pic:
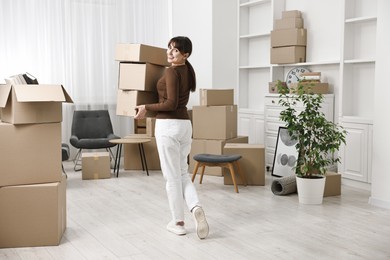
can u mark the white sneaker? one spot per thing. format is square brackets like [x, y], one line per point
[202, 228]
[176, 229]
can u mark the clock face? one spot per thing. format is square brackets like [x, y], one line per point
[294, 75]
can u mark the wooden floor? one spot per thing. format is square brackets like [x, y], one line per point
[125, 218]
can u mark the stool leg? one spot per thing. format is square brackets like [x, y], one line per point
[233, 174]
[195, 171]
[202, 173]
[242, 175]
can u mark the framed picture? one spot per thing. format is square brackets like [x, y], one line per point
[286, 154]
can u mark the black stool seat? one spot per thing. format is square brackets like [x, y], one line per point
[216, 158]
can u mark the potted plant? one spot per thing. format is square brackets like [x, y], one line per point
[317, 138]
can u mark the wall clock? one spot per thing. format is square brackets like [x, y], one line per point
[294, 75]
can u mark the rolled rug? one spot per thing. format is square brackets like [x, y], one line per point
[285, 185]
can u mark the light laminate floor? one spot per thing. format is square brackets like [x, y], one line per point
[125, 218]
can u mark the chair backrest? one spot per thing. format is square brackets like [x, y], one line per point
[91, 124]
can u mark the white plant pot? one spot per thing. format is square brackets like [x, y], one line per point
[310, 191]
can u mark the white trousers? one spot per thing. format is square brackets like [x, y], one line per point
[173, 138]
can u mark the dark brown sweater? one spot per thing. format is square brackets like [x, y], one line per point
[173, 92]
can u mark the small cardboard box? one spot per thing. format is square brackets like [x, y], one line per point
[139, 76]
[252, 163]
[32, 215]
[311, 87]
[332, 184]
[128, 99]
[213, 147]
[30, 153]
[288, 37]
[288, 23]
[132, 159]
[150, 126]
[133, 52]
[96, 165]
[285, 55]
[292, 14]
[214, 122]
[29, 104]
[216, 97]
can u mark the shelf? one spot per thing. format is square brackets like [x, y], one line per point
[255, 35]
[253, 3]
[255, 67]
[360, 19]
[330, 62]
[355, 61]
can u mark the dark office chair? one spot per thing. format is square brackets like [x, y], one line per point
[91, 129]
[65, 152]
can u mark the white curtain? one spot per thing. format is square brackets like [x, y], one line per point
[72, 43]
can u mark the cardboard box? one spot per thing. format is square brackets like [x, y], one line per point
[128, 99]
[30, 153]
[285, 55]
[28, 104]
[96, 165]
[213, 147]
[332, 184]
[216, 97]
[132, 159]
[32, 215]
[292, 14]
[150, 126]
[288, 37]
[311, 87]
[214, 122]
[252, 163]
[273, 88]
[288, 23]
[141, 53]
[139, 76]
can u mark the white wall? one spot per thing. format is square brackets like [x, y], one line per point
[380, 182]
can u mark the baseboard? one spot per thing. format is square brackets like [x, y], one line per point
[356, 184]
[379, 203]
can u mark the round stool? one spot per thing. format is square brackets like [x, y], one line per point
[216, 160]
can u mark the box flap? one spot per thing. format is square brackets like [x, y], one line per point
[4, 93]
[39, 93]
[67, 97]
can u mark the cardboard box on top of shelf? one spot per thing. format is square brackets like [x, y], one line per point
[213, 147]
[133, 52]
[128, 99]
[29, 104]
[30, 153]
[132, 159]
[311, 87]
[96, 165]
[214, 122]
[288, 37]
[216, 97]
[286, 55]
[288, 23]
[292, 14]
[332, 184]
[32, 215]
[139, 76]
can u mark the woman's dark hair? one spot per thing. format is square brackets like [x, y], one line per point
[184, 45]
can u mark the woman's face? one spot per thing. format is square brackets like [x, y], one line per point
[174, 56]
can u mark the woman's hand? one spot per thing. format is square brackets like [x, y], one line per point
[141, 112]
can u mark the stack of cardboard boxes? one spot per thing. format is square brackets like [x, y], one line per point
[288, 39]
[32, 186]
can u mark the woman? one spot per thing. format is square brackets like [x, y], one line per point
[173, 131]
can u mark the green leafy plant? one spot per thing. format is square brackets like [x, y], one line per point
[318, 138]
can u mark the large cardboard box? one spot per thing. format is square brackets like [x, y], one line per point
[32, 215]
[128, 99]
[288, 23]
[30, 153]
[96, 165]
[285, 55]
[311, 87]
[214, 122]
[212, 147]
[216, 97]
[139, 76]
[332, 184]
[252, 163]
[28, 104]
[291, 14]
[132, 159]
[141, 53]
[288, 37]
